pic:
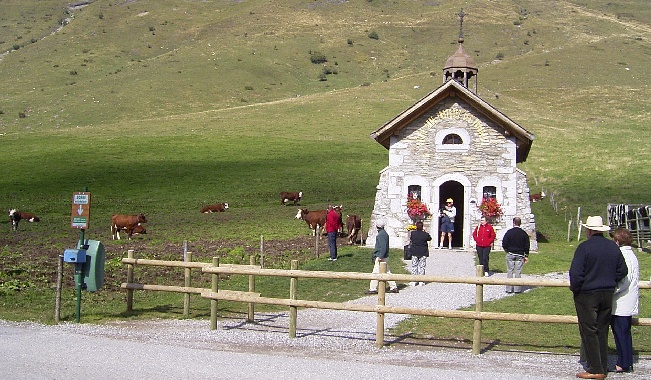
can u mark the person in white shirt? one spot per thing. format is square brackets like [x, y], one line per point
[625, 303]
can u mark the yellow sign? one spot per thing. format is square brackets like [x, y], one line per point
[80, 210]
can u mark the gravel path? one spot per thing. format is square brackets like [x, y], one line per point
[329, 344]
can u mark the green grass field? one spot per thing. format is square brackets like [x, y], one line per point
[164, 106]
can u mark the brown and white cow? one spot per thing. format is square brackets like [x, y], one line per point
[16, 216]
[353, 225]
[314, 219]
[537, 197]
[138, 229]
[217, 207]
[287, 196]
[125, 222]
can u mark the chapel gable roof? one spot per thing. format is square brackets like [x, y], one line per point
[452, 88]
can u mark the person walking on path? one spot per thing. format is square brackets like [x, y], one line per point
[625, 302]
[448, 213]
[381, 255]
[597, 266]
[484, 235]
[419, 251]
[333, 224]
[516, 245]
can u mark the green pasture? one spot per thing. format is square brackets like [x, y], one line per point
[161, 111]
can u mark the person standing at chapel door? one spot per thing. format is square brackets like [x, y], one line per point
[484, 235]
[447, 215]
[333, 224]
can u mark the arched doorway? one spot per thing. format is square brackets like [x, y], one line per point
[454, 190]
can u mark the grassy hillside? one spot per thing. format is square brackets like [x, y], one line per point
[163, 106]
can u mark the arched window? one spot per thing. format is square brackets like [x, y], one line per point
[452, 138]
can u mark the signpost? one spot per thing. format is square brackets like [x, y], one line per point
[80, 210]
[79, 219]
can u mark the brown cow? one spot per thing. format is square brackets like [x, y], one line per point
[125, 222]
[287, 196]
[353, 225]
[218, 207]
[537, 197]
[16, 216]
[138, 229]
[314, 219]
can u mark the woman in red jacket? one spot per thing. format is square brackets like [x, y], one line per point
[484, 235]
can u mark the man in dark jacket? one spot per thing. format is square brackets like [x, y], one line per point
[419, 239]
[516, 245]
[597, 266]
[380, 255]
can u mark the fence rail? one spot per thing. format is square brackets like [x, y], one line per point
[250, 297]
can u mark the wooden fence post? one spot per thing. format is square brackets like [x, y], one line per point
[316, 240]
[578, 223]
[479, 305]
[293, 281]
[214, 288]
[130, 254]
[251, 306]
[188, 283]
[57, 299]
[262, 251]
[381, 300]
[569, 229]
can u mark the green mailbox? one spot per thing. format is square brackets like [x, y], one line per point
[93, 268]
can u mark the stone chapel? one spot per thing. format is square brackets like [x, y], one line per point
[453, 144]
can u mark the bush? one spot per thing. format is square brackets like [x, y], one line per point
[373, 35]
[499, 56]
[318, 57]
[350, 42]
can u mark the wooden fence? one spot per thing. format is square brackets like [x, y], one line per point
[251, 297]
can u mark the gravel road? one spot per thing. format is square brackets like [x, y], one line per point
[329, 344]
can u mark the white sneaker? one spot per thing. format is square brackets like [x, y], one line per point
[422, 284]
[486, 274]
[413, 284]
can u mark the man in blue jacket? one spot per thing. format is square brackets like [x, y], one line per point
[598, 265]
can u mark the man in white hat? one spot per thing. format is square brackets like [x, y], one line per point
[598, 265]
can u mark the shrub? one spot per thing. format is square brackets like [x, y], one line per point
[350, 42]
[499, 56]
[373, 35]
[318, 57]
[16, 46]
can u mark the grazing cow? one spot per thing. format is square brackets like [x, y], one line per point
[287, 196]
[16, 216]
[354, 225]
[125, 222]
[537, 197]
[314, 219]
[137, 229]
[218, 207]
